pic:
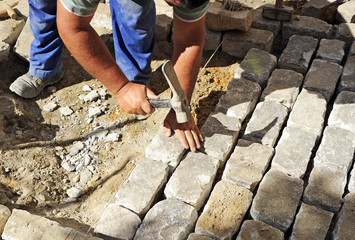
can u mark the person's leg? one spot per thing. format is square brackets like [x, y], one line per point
[46, 50]
[133, 24]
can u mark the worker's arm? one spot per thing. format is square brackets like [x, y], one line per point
[90, 51]
[188, 46]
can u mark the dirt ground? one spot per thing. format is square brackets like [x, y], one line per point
[33, 140]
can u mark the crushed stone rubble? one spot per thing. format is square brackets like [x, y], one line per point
[284, 187]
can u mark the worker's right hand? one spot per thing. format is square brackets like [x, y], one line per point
[132, 98]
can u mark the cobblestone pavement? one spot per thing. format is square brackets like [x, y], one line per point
[277, 161]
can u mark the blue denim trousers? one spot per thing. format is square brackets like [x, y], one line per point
[133, 23]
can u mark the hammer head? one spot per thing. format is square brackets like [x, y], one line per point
[179, 101]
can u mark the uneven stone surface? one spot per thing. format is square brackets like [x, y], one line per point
[259, 22]
[311, 223]
[195, 236]
[64, 233]
[332, 50]
[347, 82]
[10, 30]
[293, 151]
[316, 8]
[224, 211]
[141, 188]
[283, 87]
[247, 164]
[200, 170]
[351, 186]
[325, 188]
[24, 225]
[5, 213]
[257, 230]
[345, 219]
[256, 66]
[238, 43]
[266, 122]
[220, 134]
[343, 113]
[212, 40]
[220, 19]
[306, 26]
[168, 219]
[323, 77]
[117, 222]
[163, 27]
[336, 149]
[240, 99]
[4, 51]
[270, 11]
[309, 112]
[166, 150]
[277, 199]
[346, 33]
[345, 12]
[298, 53]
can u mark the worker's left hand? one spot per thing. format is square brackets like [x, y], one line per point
[188, 133]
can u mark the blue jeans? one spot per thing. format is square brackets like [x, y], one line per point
[133, 23]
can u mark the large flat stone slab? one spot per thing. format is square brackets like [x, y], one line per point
[266, 122]
[256, 66]
[168, 219]
[323, 77]
[237, 43]
[277, 200]
[298, 53]
[142, 186]
[224, 211]
[247, 164]
[192, 180]
[283, 87]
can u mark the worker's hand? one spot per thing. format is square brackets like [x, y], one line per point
[132, 98]
[188, 133]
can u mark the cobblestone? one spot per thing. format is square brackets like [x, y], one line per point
[348, 75]
[345, 219]
[257, 230]
[332, 50]
[343, 113]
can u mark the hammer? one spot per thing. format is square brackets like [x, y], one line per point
[178, 101]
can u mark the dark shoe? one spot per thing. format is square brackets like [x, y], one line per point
[28, 86]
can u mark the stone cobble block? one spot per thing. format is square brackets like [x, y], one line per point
[277, 199]
[117, 222]
[298, 53]
[347, 82]
[5, 213]
[266, 122]
[237, 43]
[346, 33]
[343, 113]
[224, 211]
[323, 77]
[332, 50]
[259, 22]
[23, 225]
[309, 112]
[311, 223]
[307, 26]
[293, 151]
[4, 51]
[195, 236]
[65, 233]
[22, 8]
[163, 27]
[256, 66]
[336, 149]
[168, 219]
[316, 8]
[352, 49]
[192, 180]
[344, 228]
[220, 19]
[240, 99]
[220, 135]
[257, 230]
[10, 30]
[351, 185]
[212, 40]
[143, 185]
[283, 87]
[325, 188]
[345, 12]
[165, 149]
[247, 164]
[23, 43]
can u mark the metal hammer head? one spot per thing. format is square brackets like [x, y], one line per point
[179, 101]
